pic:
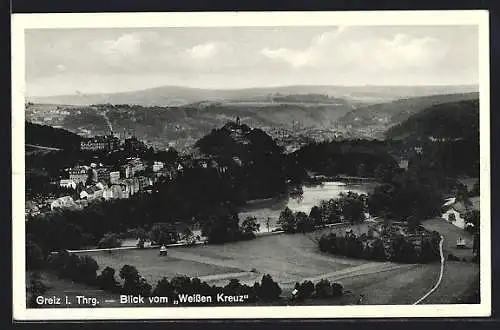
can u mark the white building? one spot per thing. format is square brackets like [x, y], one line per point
[455, 211]
[63, 202]
[67, 183]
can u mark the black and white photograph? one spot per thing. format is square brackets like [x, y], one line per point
[251, 165]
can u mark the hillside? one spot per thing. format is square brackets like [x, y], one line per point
[47, 136]
[451, 120]
[449, 134]
[175, 96]
[385, 115]
[256, 160]
[182, 126]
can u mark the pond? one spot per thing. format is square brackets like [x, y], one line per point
[312, 196]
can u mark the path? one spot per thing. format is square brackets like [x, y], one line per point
[42, 147]
[440, 278]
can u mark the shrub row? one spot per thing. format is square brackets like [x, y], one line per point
[323, 289]
[396, 248]
[83, 269]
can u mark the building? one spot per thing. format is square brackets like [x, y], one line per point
[67, 183]
[91, 193]
[112, 192]
[144, 182]
[157, 166]
[79, 174]
[65, 202]
[114, 177]
[403, 164]
[136, 165]
[455, 211]
[133, 143]
[131, 186]
[103, 174]
[125, 171]
[100, 143]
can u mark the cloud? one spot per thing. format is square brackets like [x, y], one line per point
[355, 46]
[207, 50]
[61, 67]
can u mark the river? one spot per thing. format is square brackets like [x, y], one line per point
[312, 195]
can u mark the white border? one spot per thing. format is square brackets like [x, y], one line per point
[20, 22]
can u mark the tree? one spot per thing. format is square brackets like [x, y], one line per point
[250, 226]
[315, 216]
[34, 256]
[331, 210]
[475, 190]
[472, 220]
[164, 288]
[353, 207]
[287, 221]
[220, 224]
[268, 290]
[34, 289]
[303, 222]
[87, 269]
[323, 289]
[163, 233]
[130, 276]
[107, 281]
[187, 235]
[304, 290]
[110, 240]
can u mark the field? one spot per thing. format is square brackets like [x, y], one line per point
[451, 233]
[295, 258]
[288, 258]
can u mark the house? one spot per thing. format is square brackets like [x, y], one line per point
[78, 174]
[65, 202]
[157, 166]
[103, 174]
[403, 164]
[455, 211]
[67, 183]
[114, 177]
[113, 192]
[125, 171]
[100, 143]
[92, 192]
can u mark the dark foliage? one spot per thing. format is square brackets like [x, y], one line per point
[49, 136]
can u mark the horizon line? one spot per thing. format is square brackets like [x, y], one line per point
[254, 87]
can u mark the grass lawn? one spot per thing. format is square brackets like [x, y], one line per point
[287, 258]
[153, 267]
[459, 279]
[451, 234]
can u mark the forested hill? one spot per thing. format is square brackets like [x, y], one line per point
[48, 136]
[255, 160]
[393, 113]
[452, 120]
[237, 140]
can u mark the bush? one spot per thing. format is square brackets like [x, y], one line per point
[323, 289]
[268, 290]
[337, 290]
[34, 256]
[304, 290]
[34, 289]
[326, 289]
[109, 240]
[164, 288]
[107, 281]
[81, 269]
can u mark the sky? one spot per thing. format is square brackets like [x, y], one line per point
[72, 61]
